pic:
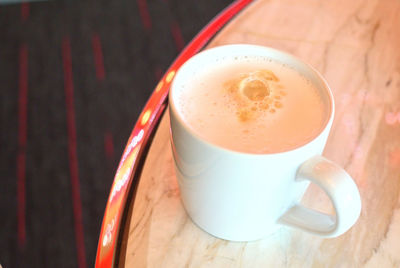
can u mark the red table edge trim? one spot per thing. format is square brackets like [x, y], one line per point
[133, 152]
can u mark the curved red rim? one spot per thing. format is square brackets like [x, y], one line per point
[143, 129]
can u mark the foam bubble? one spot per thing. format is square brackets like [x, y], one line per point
[254, 89]
[278, 104]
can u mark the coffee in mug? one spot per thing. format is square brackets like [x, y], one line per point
[252, 105]
[248, 128]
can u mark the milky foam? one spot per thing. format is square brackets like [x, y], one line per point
[252, 104]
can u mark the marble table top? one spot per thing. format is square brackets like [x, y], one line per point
[356, 47]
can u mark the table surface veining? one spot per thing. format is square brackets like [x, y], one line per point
[356, 47]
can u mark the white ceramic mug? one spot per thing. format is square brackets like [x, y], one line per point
[242, 196]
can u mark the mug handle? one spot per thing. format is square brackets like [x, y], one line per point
[340, 188]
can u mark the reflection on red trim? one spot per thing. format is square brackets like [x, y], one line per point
[158, 73]
[109, 145]
[98, 57]
[144, 14]
[177, 35]
[116, 204]
[72, 153]
[22, 137]
[24, 11]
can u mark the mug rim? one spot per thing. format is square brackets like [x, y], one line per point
[238, 47]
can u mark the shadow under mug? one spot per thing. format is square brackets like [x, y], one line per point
[242, 196]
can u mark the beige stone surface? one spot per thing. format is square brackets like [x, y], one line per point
[356, 46]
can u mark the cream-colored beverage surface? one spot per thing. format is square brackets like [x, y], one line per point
[252, 105]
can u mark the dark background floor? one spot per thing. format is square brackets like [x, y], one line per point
[74, 77]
